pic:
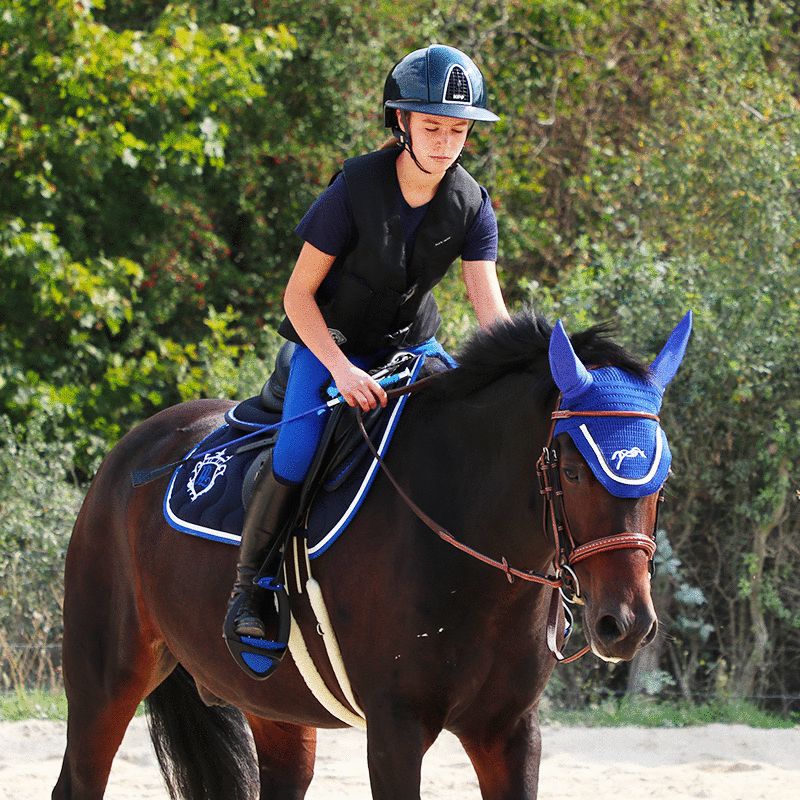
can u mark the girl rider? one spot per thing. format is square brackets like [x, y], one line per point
[377, 241]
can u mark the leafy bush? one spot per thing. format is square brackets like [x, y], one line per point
[119, 169]
[155, 157]
[710, 204]
[39, 500]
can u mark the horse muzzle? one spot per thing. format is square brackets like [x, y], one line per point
[616, 632]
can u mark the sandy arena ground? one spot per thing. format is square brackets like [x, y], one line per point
[718, 762]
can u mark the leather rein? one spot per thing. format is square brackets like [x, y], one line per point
[564, 581]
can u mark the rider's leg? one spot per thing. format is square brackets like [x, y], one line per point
[277, 485]
[270, 505]
[298, 441]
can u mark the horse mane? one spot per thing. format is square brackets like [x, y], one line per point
[520, 345]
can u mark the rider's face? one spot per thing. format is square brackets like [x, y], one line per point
[437, 141]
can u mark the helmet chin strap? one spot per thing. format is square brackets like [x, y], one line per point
[404, 140]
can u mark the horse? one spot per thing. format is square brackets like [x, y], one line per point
[432, 637]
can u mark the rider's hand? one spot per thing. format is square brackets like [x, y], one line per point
[359, 388]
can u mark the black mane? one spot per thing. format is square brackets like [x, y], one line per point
[521, 345]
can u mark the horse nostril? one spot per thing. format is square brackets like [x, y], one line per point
[651, 634]
[608, 629]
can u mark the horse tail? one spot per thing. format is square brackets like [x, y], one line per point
[204, 752]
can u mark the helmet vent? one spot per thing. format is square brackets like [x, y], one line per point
[457, 87]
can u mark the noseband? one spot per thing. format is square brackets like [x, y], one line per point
[564, 582]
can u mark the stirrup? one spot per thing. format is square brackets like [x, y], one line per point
[258, 657]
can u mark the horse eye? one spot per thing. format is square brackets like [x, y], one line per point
[570, 473]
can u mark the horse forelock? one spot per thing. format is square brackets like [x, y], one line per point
[520, 345]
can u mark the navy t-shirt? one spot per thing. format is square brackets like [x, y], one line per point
[329, 224]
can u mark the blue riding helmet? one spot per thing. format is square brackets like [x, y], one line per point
[437, 80]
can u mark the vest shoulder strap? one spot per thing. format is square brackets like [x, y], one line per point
[362, 174]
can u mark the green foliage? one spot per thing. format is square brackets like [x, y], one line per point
[155, 157]
[114, 143]
[32, 704]
[709, 205]
[646, 714]
[38, 505]
[732, 412]
[37, 704]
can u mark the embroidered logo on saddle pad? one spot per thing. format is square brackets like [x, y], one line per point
[206, 472]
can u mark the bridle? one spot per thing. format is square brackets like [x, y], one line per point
[564, 581]
[555, 519]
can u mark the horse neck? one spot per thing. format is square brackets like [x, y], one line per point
[480, 452]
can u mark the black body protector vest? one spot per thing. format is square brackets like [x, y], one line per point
[382, 298]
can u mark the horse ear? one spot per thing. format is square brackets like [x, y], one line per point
[568, 371]
[666, 364]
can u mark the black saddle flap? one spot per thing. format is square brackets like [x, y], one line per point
[347, 446]
[274, 390]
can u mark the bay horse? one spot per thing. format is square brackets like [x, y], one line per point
[431, 638]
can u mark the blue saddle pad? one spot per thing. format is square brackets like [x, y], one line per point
[204, 496]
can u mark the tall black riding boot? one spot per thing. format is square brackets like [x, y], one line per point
[270, 505]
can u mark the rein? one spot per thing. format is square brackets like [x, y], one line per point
[564, 582]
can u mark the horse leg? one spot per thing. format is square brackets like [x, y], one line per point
[111, 660]
[506, 760]
[395, 747]
[286, 754]
[102, 698]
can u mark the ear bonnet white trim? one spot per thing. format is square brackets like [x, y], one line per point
[628, 481]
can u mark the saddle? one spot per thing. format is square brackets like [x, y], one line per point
[209, 497]
[342, 446]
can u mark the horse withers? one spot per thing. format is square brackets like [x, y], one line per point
[431, 636]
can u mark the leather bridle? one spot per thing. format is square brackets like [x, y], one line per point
[555, 519]
[564, 582]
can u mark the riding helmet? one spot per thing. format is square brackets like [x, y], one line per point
[437, 80]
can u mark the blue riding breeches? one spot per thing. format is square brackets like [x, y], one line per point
[308, 380]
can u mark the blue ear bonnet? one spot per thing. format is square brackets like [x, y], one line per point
[630, 456]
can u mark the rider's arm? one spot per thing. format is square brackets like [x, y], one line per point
[356, 386]
[483, 291]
